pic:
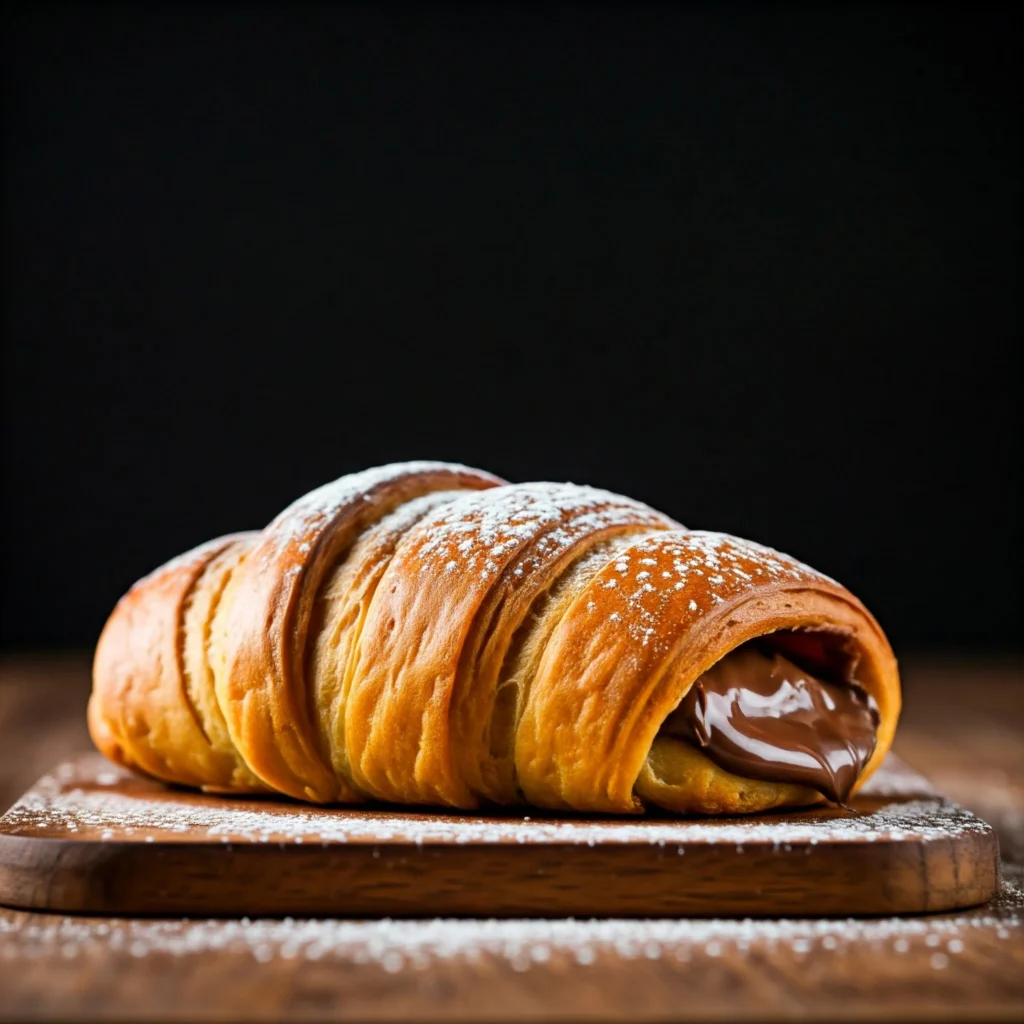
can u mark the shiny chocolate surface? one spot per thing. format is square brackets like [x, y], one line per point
[758, 715]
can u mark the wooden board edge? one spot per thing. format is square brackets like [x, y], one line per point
[496, 880]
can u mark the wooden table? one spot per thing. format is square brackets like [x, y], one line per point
[963, 727]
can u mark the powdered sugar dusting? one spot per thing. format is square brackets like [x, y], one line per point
[675, 575]
[321, 505]
[394, 946]
[193, 557]
[76, 801]
[484, 531]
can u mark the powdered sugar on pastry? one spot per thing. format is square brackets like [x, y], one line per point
[472, 533]
[324, 503]
[704, 568]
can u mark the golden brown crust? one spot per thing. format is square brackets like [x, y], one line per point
[434, 641]
[141, 713]
[645, 628]
[422, 633]
[338, 621]
[202, 627]
[270, 602]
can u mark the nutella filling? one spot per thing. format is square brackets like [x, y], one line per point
[758, 715]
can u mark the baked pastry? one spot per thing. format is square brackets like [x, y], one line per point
[424, 633]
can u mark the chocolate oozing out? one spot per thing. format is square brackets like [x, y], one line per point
[758, 715]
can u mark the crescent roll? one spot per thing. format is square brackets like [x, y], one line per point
[425, 633]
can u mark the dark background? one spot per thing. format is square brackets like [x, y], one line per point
[757, 266]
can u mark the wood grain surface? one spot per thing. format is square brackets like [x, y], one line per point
[93, 838]
[963, 727]
[958, 967]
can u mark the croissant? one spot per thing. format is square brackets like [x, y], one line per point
[425, 633]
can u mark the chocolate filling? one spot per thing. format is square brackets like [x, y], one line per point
[757, 714]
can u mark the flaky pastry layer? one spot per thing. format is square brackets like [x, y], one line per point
[423, 633]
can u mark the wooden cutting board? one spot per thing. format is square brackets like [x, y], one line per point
[92, 838]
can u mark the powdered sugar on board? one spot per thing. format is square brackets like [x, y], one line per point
[98, 800]
[395, 946]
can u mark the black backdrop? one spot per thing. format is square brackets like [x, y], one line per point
[757, 266]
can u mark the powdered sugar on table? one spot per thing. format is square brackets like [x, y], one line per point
[395, 946]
